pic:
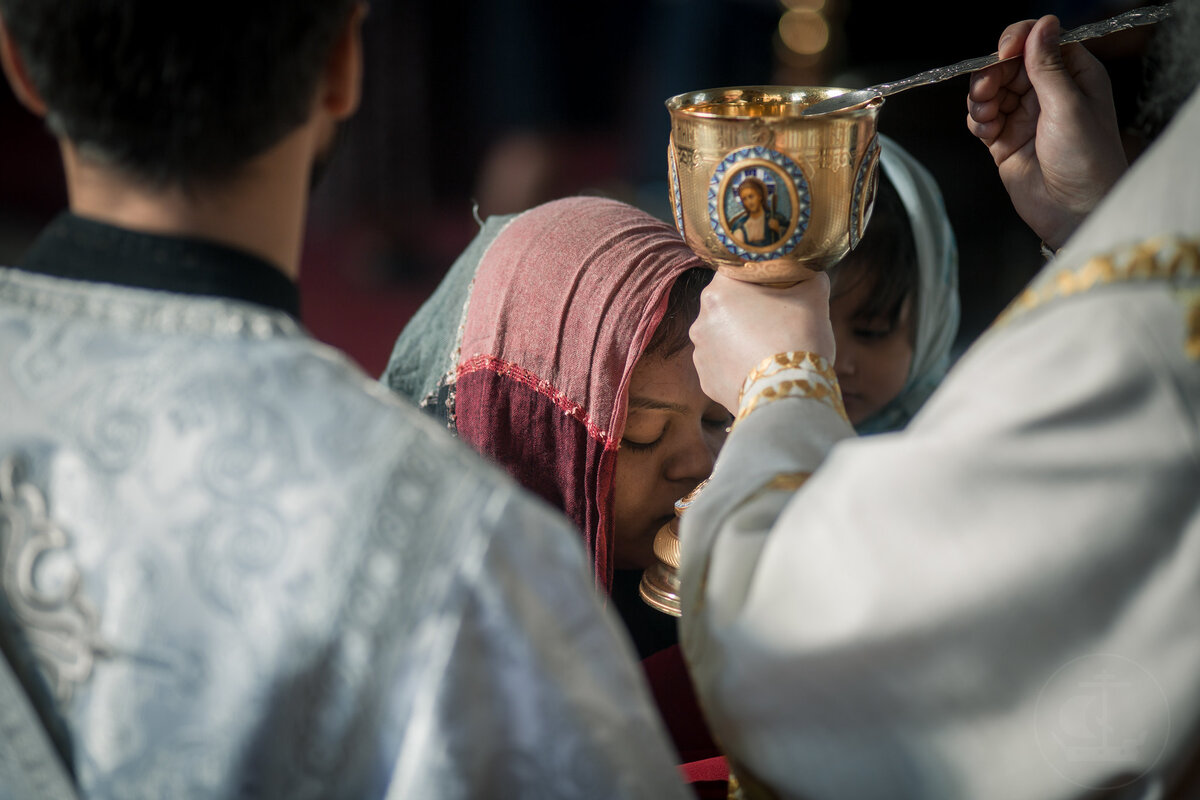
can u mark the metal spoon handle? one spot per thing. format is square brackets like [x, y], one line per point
[1130, 19]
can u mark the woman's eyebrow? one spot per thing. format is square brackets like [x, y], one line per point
[654, 404]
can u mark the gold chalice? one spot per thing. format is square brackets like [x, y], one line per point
[765, 195]
[660, 582]
[762, 193]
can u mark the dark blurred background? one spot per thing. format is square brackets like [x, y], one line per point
[492, 106]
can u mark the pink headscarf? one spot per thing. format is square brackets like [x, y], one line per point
[564, 302]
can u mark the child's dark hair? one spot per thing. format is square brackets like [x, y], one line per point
[886, 256]
[683, 306]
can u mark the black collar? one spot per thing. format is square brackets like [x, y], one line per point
[83, 249]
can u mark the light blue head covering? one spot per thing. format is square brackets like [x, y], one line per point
[937, 312]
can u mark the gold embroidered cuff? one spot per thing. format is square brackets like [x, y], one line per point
[796, 373]
[792, 359]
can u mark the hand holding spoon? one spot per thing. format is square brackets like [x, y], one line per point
[860, 97]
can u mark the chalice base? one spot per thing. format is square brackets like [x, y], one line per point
[660, 589]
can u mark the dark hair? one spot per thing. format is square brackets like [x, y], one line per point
[683, 306]
[175, 92]
[886, 256]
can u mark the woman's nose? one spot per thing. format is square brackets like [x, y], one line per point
[694, 461]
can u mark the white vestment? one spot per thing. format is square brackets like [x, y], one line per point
[243, 569]
[1002, 600]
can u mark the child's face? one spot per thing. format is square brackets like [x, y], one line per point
[873, 355]
[672, 434]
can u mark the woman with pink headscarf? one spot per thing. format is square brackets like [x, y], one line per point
[557, 346]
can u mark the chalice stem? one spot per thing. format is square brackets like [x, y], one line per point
[660, 584]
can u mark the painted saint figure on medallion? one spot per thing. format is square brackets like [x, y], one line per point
[758, 224]
[758, 204]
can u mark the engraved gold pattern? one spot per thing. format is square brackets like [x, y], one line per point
[1157, 258]
[709, 125]
[666, 544]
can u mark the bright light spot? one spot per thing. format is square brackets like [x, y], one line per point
[804, 32]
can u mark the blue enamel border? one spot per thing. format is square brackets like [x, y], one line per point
[803, 201]
[676, 194]
[856, 197]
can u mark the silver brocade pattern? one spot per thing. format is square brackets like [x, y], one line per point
[291, 585]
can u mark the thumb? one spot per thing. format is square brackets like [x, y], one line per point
[1044, 61]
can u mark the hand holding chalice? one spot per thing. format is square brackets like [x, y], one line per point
[765, 195]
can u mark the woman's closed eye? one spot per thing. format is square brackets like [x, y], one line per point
[643, 446]
[647, 426]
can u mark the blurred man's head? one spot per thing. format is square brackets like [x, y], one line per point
[1175, 65]
[175, 92]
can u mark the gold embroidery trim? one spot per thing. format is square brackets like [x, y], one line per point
[1157, 258]
[786, 482]
[828, 394]
[816, 380]
[792, 359]
[1191, 324]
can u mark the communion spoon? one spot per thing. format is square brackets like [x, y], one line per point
[860, 97]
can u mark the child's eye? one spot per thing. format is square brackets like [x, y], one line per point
[872, 329]
[872, 333]
[718, 423]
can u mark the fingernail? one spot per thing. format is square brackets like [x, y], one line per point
[1005, 39]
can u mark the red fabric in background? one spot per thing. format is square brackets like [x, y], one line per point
[672, 687]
